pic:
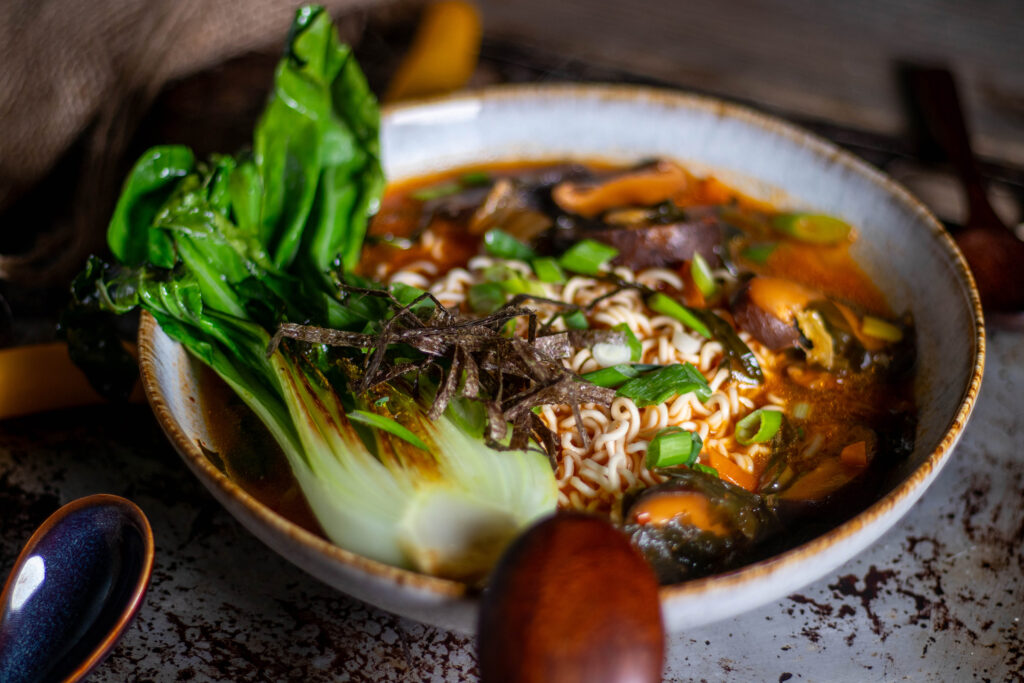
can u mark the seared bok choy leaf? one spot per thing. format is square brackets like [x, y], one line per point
[222, 252]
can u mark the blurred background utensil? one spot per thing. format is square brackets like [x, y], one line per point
[571, 601]
[74, 589]
[992, 250]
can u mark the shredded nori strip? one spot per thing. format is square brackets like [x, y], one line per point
[475, 359]
[511, 376]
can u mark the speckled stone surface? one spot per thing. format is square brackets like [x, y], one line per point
[938, 598]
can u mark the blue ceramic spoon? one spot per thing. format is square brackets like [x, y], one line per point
[74, 589]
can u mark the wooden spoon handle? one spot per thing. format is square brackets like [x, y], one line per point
[935, 96]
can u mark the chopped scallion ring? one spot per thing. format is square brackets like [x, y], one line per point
[816, 228]
[503, 245]
[519, 285]
[661, 303]
[758, 427]
[576, 321]
[612, 377]
[702, 277]
[587, 257]
[673, 446]
[636, 349]
[609, 354]
[548, 270]
[661, 384]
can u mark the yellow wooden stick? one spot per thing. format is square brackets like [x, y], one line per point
[40, 377]
[443, 53]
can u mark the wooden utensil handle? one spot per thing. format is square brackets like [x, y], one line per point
[935, 95]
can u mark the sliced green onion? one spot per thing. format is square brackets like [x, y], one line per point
[475, 179]
[576, 321]
[587, 257]
[548, 270]
[673, 446]
[636, 349]
[816, 228]
[612, 377]
[503, 245]
[436, 191]
[607, 354]
[702, 277]
[658, 386]
[387, 424]
[486, 297]
[880, 329]
[758, 427]
[802, 410]
[498, 272]
[706, 469]
[759, 253]
[519, 285]
[661, 303]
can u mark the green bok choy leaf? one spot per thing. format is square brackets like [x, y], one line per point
[221, 252]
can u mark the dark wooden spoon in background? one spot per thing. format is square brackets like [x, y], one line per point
[994, 253]
[571, 601]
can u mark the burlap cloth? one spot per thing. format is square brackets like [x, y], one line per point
[74, 68]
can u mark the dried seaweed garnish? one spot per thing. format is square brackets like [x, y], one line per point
[511, 376]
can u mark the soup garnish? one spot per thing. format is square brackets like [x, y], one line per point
[715, 376]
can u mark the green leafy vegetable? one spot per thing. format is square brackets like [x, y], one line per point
[612, 377]
[576, 321]
[759, 426]
[659, 385]
[389, 425]
[673, 446]
[702, 276]
[548, 270]
[315, 152]
[587, 257]
[223, 252]
[815, 228]
[662, 303]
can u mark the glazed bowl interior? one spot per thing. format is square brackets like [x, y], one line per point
[899, 244]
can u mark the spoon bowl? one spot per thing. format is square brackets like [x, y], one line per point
[74, 589]
[571, 601]
[989, 245]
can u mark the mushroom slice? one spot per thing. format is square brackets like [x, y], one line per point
[645, 186]
[660, 246]
[510, 206]
[695, 524]
[767, 308]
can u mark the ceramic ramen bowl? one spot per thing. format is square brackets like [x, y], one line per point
[900, 245]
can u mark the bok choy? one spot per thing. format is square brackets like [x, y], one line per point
[222, 252]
